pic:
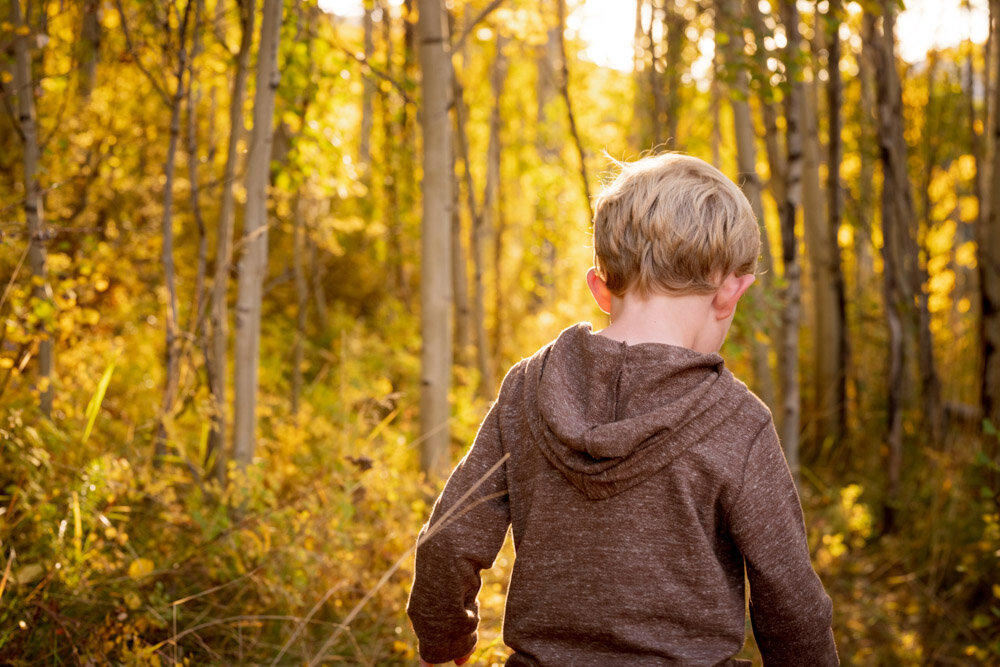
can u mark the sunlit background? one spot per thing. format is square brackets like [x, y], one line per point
[607, 27]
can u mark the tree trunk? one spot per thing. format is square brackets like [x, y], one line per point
[196, 315]
[395, 137]
[824, 264]
[655, 78]
[466, 307]
[253, 263]
[867, 120]
[674, 25]
[488, 220]
[368, 90]
[772, 138]
[34, 210]
[459, 264]
[930, 383]
[301, 301]
[89, 47]
[989, 263]
[792, 309]
[835, 199]
[218, 366]
[746, 158]
[435, 283]
[564, 88]
[172, 346]
[640, 46]
[897, 213]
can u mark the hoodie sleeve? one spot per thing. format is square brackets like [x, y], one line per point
[466, 530]
[790, 612]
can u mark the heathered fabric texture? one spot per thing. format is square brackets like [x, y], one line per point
[638, 480]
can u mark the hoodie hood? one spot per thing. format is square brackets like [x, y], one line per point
[609, 415]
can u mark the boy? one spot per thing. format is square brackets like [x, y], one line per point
[640, 478]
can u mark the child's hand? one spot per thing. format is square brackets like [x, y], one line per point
[459, 661]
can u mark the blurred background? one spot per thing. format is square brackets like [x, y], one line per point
[264, 264]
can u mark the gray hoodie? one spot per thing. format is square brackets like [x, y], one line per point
[641, 483]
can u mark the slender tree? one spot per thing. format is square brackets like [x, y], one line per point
[835, 151]
[34, 209]
[89, 47]
[824, 251]
[253, 263]
[464, 308]
[788, 209]
[301, 299]
[172, 351]
[368, 88]
[564, 89]
[488, 221]
[218, 366]
[897, 214]
[436, 275]
[989, 260]
[769, 114]
[732, 47]
[674, 27]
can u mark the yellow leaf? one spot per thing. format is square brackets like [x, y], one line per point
[140, 567]
[6, 77]
[132, 601]
[403, 648]
[23, 30]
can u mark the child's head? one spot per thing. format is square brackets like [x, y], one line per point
[672, 224]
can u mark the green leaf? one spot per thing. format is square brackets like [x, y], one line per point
[94, 405]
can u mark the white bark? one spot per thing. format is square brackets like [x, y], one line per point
[436, 274]
[218, 366]
[33, 205]
[253, 263]
[791, 314]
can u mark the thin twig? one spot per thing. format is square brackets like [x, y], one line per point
[490, 8]
[131, 49]
[13, 277]
[302, 624]
[362, 60]
[6, 573]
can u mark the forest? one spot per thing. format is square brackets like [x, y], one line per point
[263, 267]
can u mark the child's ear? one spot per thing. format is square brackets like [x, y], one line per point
[599, 288]
[733, 287]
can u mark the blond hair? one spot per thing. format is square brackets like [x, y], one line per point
[672, 223]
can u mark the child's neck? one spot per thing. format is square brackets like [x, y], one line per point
[681, 320]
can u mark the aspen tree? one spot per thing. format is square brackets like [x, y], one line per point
[436, 275]
[897, 214]
[732, 47]
[253, 262]
[218, 366]
[989, 260]
[173, 339]
[791, 313]
[564, 89]
[34, 209]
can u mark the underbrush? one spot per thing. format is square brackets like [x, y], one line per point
[305, 557]
[929, 591]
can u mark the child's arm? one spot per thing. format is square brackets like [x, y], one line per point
[464, 534]
[790, 611]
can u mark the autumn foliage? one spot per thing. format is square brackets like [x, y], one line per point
[132, 531]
